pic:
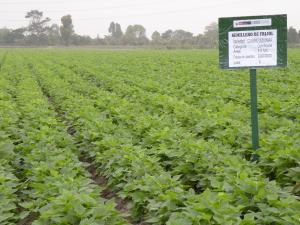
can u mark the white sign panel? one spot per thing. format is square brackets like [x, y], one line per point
[252, 48]
[252, 23]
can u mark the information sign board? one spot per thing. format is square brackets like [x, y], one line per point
[253, 42]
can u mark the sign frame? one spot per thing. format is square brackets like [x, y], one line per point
[228, 24]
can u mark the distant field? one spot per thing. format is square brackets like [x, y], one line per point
[145, 137]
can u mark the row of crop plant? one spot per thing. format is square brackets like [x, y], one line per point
[235, 186]
[220, 121]
[53, 186]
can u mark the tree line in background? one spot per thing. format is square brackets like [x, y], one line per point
[40, 33]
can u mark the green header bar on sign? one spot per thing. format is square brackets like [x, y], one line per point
[253, 42]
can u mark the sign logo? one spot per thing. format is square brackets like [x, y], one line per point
[252, 23]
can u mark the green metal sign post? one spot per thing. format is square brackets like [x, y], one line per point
[254, 113]
[253, 42]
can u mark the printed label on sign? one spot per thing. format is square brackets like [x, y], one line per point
[252, 23]
[252, 48]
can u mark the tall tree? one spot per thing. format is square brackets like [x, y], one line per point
[167, 35]
[5, 34]
[116, 34]
[156, 38]
[54, 35]
[293, 36]
[118, 31]
[135, 35]
[67, 29]
[211, 35]
[38, 27]
[112, 29]
[199, 40]
[17, 35]
[181, 37]
[177, 38]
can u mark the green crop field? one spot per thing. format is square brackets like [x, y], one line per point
[145, 137]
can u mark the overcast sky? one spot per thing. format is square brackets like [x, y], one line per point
[92, 17]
